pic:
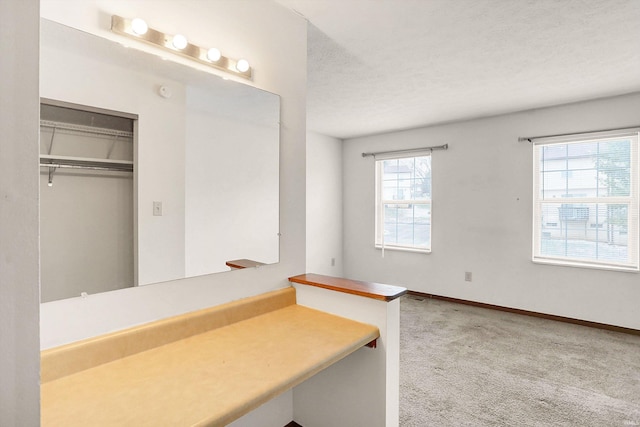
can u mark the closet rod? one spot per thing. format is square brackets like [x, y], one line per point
[85, 129]
[124, 168]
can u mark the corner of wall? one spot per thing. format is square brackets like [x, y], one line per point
[19, 257]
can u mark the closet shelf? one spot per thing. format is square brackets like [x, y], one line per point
[52, 161]
[85, 129]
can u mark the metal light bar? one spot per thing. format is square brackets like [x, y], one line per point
[164, 41]
[411, 150]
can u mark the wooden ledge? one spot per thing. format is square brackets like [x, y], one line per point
[365, 289]
[244, 263]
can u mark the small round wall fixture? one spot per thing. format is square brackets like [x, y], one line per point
[242, 65]
[165, 92]
[139, 27]
[179, 41]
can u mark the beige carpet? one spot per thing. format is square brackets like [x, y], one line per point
[468, 366]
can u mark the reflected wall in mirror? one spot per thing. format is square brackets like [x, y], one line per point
[206, 148]
[86, 201]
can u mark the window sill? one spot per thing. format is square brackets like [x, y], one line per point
[401, 249]
[576, 264]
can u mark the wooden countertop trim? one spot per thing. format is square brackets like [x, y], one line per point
[78, 356]
[209, 379]
[356, 287]
[244, 263]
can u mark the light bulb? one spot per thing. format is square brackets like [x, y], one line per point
[139, 27]
[179, 41]
[50, 183]
[213, 54]
[242, 65]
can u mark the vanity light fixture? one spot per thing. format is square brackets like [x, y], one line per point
[138, 29]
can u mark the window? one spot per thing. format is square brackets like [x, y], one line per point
[403, 203]
[586, 200]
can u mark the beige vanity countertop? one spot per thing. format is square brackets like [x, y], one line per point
[209, 379]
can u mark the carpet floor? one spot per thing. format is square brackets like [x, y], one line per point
[469, 366]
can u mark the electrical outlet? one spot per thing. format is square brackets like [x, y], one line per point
[467, 276]
[333, 262]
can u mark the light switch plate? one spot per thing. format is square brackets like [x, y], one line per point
[157, 208]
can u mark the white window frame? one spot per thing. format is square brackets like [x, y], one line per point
[380, 203]
[632, 202]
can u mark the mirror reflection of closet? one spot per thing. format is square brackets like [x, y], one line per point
[86, 200]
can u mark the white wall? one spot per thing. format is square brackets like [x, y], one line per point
[86, 234]
[482, 217]
[231, 193]
[324, 204]
[277, 412]
[370, 395]
[86, 219]
[19, 274]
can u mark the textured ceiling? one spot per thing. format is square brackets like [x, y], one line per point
[381, 65]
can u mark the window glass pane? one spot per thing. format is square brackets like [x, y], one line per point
[553, 184]
[422, 214]
[390, 224]
[586, 169]
[407, 225]
[550, 154]
[590, 232]
[390, 190]
[394, 170]
[582, 183]
[614, 168]
[577, 163]
[398, 189]
[422, 186]
[582, 149]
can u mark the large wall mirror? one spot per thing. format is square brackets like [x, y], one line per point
[204, 190]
